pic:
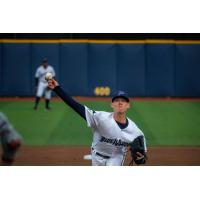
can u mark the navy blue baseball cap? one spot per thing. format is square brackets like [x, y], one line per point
[121, 94]
[44, 60]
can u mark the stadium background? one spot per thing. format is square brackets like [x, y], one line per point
[145, 65]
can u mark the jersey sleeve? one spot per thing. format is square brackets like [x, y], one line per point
[37, 74]
[91, 117]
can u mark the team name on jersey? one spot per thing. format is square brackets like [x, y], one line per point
[115, 142]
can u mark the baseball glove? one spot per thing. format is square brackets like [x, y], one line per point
[138, 151]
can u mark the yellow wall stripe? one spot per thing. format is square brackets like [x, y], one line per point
[102, 41]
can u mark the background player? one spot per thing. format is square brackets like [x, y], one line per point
[41, 84]
[112, 132]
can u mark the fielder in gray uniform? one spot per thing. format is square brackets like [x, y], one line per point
[10, 140]
[113, 132]
[41, 84]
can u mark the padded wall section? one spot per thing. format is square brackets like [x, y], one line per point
[73, 68]
[16, 70]
[139, 69]
[101, 66]
[131, 69]
[160, 67]
[187, 70]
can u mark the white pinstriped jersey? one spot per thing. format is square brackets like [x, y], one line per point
[41, 72]
[108, 138]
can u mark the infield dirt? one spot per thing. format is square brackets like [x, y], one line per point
[73, 156]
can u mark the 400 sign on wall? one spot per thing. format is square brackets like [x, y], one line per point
[102, 91]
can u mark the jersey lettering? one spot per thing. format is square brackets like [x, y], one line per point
[115, 142]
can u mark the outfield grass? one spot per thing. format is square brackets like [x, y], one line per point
[164, 123]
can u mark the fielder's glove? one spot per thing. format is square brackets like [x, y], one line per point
[138, 151]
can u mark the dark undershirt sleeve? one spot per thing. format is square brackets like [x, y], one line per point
[79, 108]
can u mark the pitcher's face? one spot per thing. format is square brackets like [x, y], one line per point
[120, 105]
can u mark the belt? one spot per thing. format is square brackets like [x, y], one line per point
[99, 154]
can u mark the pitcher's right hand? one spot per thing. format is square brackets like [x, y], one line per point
[52, 83]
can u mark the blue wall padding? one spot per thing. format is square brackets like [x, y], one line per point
[187, 70]
[16, 76]
[131, 69]
[73, 68]
[160, 65]
[139, 69]
[101, 66]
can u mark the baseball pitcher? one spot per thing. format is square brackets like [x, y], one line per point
[113, 133]
[41, 84]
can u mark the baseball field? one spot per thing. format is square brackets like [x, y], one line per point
[61, 137]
